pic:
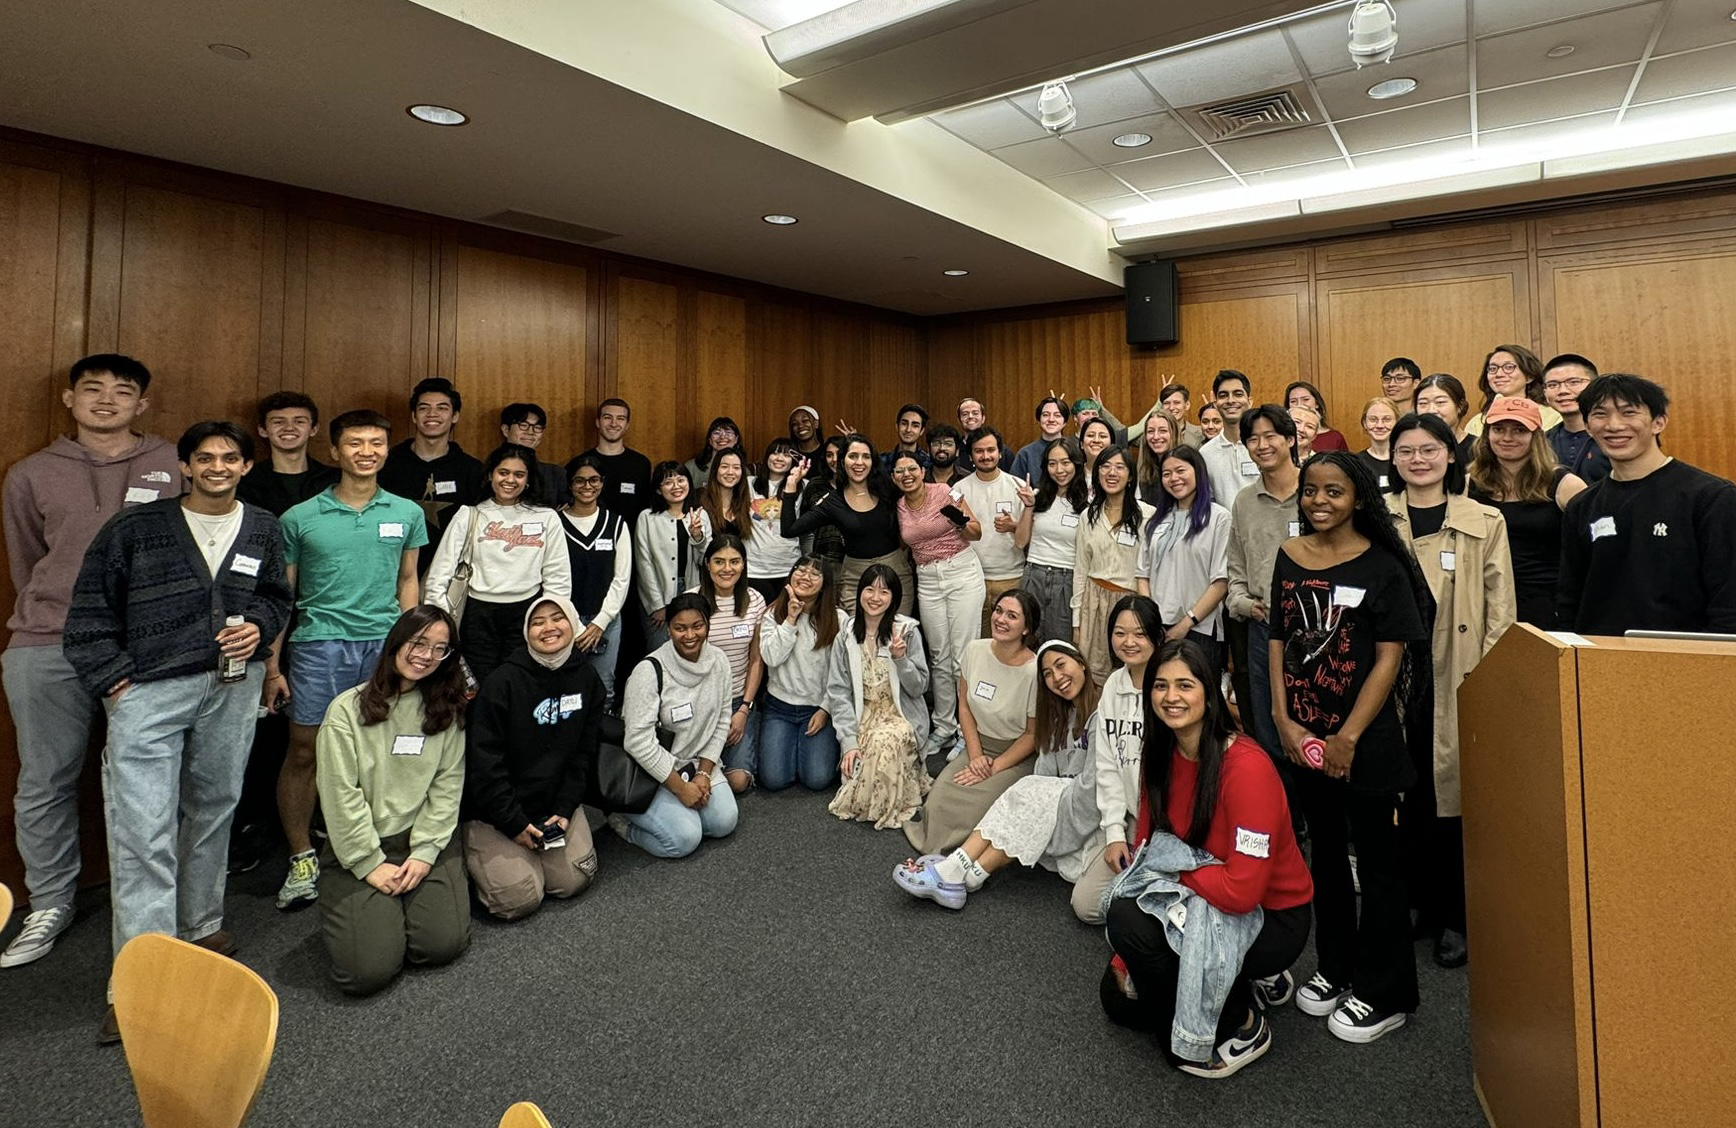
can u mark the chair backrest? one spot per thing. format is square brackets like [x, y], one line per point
[524, 1115]
[5, 905]
[198, 1029]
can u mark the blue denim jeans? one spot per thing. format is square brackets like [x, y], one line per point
[743, 755]
[669, 830]
[171, 776]
[786, 751]
[603, 658]
[320, 669]
[53, 715]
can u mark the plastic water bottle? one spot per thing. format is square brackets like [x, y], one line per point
[232, 669]
[1314, 751]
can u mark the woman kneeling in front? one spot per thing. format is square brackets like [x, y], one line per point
[676, 716]
[533, 733]
[1218, 881]
[391, 772]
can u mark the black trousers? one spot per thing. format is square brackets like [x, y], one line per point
[1372, 952]
[1236, 636]
[1152, 964]
[258, 806]
[489, 632]
[1434, 852]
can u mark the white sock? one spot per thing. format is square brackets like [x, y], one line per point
[974, 875]
[954, 866]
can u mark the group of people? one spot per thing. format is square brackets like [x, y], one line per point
[425, 668]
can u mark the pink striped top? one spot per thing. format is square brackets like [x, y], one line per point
[931, 537]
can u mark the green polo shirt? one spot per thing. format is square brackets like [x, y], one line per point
[346, 563]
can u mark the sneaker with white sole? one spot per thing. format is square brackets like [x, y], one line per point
[37, 937]
[1274, 991]
[1320, 996]
[1356, 1021]
[1232, 1055]
[301, 887]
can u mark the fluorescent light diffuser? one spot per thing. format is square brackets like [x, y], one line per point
[1207, 221]
[867, 27]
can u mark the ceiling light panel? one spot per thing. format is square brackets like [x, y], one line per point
[436, 115]
[1422, 27]
[1721, 103]
[1167, 136]
[1694, 73]
[1696, 23]
[1229, 69]
[1599, 41]
[1542, 138]
[1556, 98]
[1440, 73]
[775, 14]
[852, 32]
[1101, 99]
[1117, 206]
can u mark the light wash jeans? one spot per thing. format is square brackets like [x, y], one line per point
[603, 658]
[669, 830]
[786, 751]
[743, 755]
[52, 714]
[171, 776]
[949, 602]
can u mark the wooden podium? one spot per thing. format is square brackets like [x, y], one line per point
[1599, 783]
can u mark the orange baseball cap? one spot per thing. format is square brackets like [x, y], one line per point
[1518, 409]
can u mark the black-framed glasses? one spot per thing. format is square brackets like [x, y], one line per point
[438, 650]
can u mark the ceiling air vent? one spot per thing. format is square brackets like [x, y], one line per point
[532, 224]
[1267, 112]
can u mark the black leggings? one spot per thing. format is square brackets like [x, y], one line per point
[1139, 940]
[489, 632]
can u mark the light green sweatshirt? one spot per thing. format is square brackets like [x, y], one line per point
[376, 781]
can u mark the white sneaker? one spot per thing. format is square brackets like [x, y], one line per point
[1274, 991]
[1356, 1021]
[37, 937]
[1320, 996]
[1239, 1051]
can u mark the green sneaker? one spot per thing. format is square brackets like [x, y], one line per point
[301, 887]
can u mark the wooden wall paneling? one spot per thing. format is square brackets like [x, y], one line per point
[838, 362]
[952, 365]
[1444, 318]
[1667, 316]
[519, 336]
[1672, 220]
[720, 377]
[1262, 331]
[781, 345]
[645, 368]
[1245, 268]
[895, 375]
[1451, 243]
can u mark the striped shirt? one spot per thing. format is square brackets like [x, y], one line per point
[733, 634]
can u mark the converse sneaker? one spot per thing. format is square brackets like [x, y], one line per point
[37, 937]
[1274, 991]
[1244, 1046]
[301, 887]
[922, 880]
[1320, 996]
[1356, 1021]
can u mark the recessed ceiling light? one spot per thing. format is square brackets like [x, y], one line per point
[1560, 52]
[1392, 88]
[1132, 140]
[780, 220]
[229, 51]
[955, 273]
[436, 115]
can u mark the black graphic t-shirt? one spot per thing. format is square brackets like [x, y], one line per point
[1330, 621]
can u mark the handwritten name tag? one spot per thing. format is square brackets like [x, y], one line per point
[1603, 527]
[681, 712]
[390, 530]
[605, 544]
[1069, 520]
[1345, 596]
[984, 690]
[407, 745]
[138, 495]
[445, 487]
[629, 487]
[246, 565]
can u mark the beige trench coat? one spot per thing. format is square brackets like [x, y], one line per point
[1474, 606]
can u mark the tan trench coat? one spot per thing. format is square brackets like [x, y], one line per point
[1474, 606]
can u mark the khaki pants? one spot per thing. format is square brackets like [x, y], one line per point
[371, 936]
[512, 881]
[994, 589]
[1088, 891]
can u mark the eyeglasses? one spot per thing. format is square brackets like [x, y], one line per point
[1396, 378]
[587, 481]
[533, 428]
[1565, 385]
[809, 570]
[1431, 452]
[1506, 369]
[437, 649]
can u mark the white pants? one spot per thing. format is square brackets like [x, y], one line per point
[949, 602]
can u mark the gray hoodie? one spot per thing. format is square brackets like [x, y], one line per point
[56, 501]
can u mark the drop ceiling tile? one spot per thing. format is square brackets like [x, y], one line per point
[1093, 184]
[1410, 126]
[1154, 173]
[1224, 188]
[1721, 102]
[1553, 98]
[1423, 25]
[1102, 98]
[1510, 15]
[1049, 157]
[990, 125]
[1693, 73]
[1296, 174]
[1117, 207]
[1440, 73]
[1245, 65]
[1433, 158]
[1277, 150]
[1597, 41]
[1167, 136]
[1696, 23]
[1535, 140]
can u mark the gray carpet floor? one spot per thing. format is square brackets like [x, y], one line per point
[775, 977]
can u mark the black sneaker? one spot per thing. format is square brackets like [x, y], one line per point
[1356, 1021]
[1320, 996]
[1241, 1049]
[1274, 991]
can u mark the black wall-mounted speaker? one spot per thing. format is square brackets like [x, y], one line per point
[1152, 299]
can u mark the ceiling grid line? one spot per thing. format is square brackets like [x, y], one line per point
[1645, 57]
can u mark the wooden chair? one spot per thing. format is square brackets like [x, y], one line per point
[198, 1029]
[5, 905]
[524, 1115]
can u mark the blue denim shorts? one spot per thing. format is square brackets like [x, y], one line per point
[319, 670]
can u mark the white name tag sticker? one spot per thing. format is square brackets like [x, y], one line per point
[1004, 508]
[138, 495]
[531, 528]
[629, 487]
[1069, 520]
[391, 529]
[155, 476]
[955, 493]
[1295, 528]
[572, 702]
[246, 565]
[984, 690]
[1345, 596]
[741, 630]
[1253, 844]
[445, 487]
[1449, 561]
[681, 712]
[605, 544]
[1126, 538]
[1248, 468]
[1382, 481]
[1603, 527]
[407, 745]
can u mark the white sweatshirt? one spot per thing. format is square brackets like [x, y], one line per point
[515, 551]
[1118, 746]
[796, 672]
[694, 705]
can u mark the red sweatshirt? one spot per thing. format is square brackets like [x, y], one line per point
[1250, 833]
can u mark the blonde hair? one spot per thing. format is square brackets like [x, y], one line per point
[1148, 461]
[1533, 480]
[1362, 415]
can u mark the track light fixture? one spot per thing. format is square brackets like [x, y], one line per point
[1373, 32]
[1055, 110]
